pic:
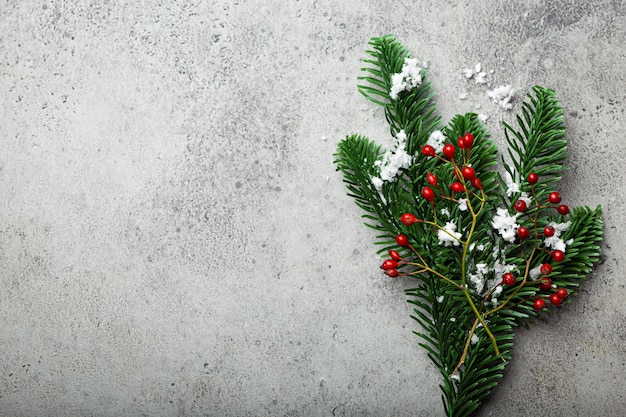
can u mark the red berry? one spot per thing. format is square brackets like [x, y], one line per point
[408, 219]
[554, 197]
[402, 240]
[508, 279]
[539, 304]
[520, 206]
[562, 293]
[461, 142]
[558, 255]
[468, 173]
[563, 209]
[546, 269]
[449, 151]
[395, 255]
[457, 187]
[393, 273]
[476, 183]
[432, 179]
[533, 178]
[555, 299]
[428, 194]
[389, 264]
[468, 139]
[523, 232]
[546, 283]
[548, 231]
[428, 150]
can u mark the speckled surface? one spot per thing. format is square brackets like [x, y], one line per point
[174, 240]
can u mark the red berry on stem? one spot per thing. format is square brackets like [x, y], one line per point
[408, 219]
[508, 279]
[389, 264]
[548, 231]
[546, 269]
[476, 183]
[393, 273]
[523, 232]
[533, 178]
[428, 150]
[554, 197]
[461, 142]
[562, 293]
[432, 179]
[402, 240]
[468, 139]
[563, 209]
[558, 255]
[545, 284]
[449, 151]
[555, 299]
[428, 194]
[395, 255]
[520, 206]
[468, 173]
[539, 304]
[457, 187]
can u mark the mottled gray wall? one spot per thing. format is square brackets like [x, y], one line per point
[174, 240]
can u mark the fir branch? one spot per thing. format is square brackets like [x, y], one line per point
[354, 158]
[539, 146]
[413, 111]
[467, 329]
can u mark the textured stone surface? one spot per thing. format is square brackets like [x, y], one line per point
[174, 239]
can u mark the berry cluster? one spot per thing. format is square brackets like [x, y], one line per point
[545, 283]
[390, 266]
[529, 235]
[463, 173]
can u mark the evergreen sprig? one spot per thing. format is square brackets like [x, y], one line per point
[455, 242]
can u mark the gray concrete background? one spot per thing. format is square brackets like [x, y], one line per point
[174, 240]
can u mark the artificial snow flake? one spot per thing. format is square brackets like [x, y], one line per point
[505, 224]
[478, 277]
[445, 212]
[440, 299]
[409, 78]
[511, 186]
[502, 96]
[555, 242]
[500, 268]
[463, 204]
[534, 273]
[474, 339]
[377, 183]
[477, 73]
[436, 140]
[449, 236]
[495, 294]
[393, 161]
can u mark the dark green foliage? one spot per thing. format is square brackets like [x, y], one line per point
[447, 306]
